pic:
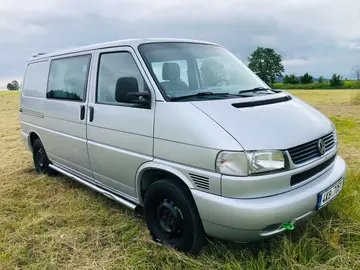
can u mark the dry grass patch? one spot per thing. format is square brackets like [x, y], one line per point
[316, 97]
[355, 99]
[55, 223]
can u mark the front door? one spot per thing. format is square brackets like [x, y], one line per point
[120, 135]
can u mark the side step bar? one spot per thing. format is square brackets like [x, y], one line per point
[96, 188]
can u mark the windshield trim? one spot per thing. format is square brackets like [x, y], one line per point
[148, 65]
[205, 94]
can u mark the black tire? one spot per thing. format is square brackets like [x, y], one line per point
[172, 217]
[41, 161]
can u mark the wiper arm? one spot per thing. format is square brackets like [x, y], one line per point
[256, 89]
[200, 94]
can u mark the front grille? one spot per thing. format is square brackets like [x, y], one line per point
[300, 177]
[307, 151]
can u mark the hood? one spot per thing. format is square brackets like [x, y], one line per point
[278, 121]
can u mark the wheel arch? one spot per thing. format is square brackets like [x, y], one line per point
[33, 135]
[150, 172]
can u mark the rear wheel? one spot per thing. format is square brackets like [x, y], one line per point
[41, 161]
[172, 217]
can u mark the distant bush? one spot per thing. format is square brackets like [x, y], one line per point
[14, 85]
[290, 79]
[306, 78]
[336, 80]
[318, 85]
[10, 87]
[355, 85]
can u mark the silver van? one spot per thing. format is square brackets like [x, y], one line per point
[184, 131]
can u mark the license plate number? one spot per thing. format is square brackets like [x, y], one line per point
[329, 194]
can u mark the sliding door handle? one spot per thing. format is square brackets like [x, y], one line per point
[91, 118]
[82, 112]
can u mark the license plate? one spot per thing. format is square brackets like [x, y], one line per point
[329, 194]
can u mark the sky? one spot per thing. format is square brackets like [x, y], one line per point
[317, 36]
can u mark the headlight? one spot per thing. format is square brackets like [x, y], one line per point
[232, 163]
[249, 162]
[265, 161]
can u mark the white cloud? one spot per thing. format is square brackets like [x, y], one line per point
[305, 62]
[352, 45]
[295, 62]
[297, 29]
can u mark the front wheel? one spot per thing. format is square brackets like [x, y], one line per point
[172, 217]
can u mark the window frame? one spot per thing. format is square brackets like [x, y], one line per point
[121, 104]
[83, 100]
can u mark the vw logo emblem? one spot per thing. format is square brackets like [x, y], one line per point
[321, 146]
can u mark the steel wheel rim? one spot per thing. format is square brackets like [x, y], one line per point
[169, 219]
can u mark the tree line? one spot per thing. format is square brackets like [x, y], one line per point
[267, 64]
[336, 80]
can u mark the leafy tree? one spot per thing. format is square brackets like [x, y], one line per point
[290, 79]
[15, 84]
[321, 79]
[266, 63]
[10, 87]
[286, 79]
[336, 80]
[306, 78]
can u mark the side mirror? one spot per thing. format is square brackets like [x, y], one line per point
[127, 91]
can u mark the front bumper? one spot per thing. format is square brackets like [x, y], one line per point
[244, 220]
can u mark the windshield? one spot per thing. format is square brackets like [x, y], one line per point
[187, 69]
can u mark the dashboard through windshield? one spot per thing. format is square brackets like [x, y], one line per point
[186, 69]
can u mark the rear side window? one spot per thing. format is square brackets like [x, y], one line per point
[68, 78]
[34, 84]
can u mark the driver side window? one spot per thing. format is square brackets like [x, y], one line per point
[112, 67]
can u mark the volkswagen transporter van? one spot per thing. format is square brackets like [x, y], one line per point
[186, 132]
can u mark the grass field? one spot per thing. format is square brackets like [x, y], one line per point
[55, 223]
[347, 84]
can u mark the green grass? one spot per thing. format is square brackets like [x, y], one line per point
[349, 84]
[9, 93]
[55, 223]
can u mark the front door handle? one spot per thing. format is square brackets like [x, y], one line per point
[82, 112]
[91, 113]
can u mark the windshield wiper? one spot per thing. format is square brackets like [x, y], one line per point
[256, 89]
[200, 94]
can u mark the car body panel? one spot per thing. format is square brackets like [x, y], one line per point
[115, 149]
[240, 215]
[275, 126]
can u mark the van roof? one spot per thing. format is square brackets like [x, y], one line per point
[125, 42]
